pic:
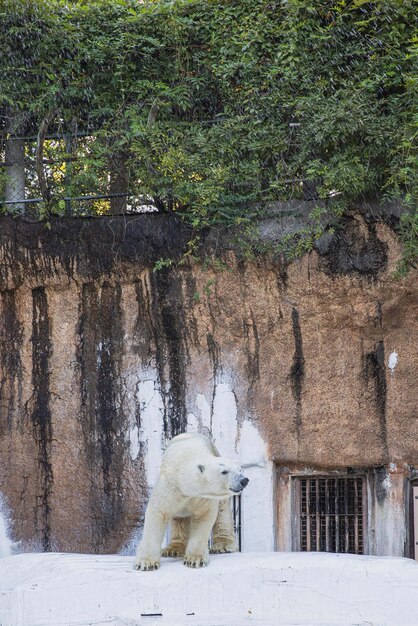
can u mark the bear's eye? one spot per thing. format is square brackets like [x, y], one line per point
[225, 472]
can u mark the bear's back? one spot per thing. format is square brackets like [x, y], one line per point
[187, 446]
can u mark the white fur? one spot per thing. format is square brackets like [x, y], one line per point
[193, 492]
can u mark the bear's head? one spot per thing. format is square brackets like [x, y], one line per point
[216, 478]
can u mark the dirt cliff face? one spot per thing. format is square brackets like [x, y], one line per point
[98, 351]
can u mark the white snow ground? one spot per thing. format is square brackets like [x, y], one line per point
[252, 588]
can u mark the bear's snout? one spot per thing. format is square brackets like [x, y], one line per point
[239, 482]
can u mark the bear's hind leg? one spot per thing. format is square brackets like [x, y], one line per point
[223, 530]
[178, 539]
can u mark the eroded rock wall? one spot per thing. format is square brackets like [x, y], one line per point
[102, 359]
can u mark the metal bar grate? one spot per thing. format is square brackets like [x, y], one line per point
[331, 514]
[237, 517]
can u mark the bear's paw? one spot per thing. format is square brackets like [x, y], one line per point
[196, 560]
[146, 565]
[174, 549]
[221, 547]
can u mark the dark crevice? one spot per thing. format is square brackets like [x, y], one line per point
[282, 277]
[252, 350]
[144, 339]
[381, 476]
[103, 421]
[379, 316]
[374, 372]
[297, 372]
[41, 415]
[214, 356]
[144, 330]
[171, 352]
[107, 352]
[192, 295]
[350, 251]
[11, 371]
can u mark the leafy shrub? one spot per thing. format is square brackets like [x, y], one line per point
[219, 107]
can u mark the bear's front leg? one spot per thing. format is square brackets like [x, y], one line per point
[197, 552]
[149, 550]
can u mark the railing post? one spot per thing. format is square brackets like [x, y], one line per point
[67, 180]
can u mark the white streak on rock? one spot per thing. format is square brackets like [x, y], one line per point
[192, 423]
[393, 361]
[225, 421]
[204, 409]
[257, 497]
[152, 423]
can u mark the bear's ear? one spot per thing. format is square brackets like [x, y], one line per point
[201, 468]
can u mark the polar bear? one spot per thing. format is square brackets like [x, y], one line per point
[193, 491]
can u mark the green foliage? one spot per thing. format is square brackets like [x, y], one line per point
[3, 182]
[218, 107]
[161, 264]
[409, 234]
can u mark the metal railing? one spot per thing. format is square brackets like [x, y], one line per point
[80, 173]
[237, 517]
[65, 176]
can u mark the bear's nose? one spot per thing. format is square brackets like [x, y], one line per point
[244, 481]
